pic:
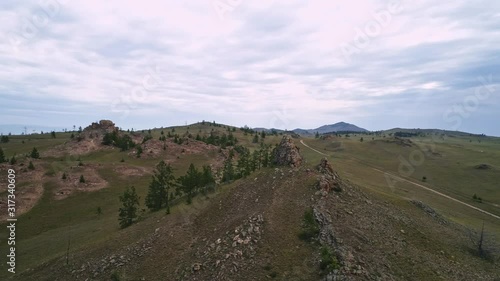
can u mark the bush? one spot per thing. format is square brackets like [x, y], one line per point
[31, 166]
[115, 276]
[328, 261]
[310, 227]
[64, 176]
[82, 179]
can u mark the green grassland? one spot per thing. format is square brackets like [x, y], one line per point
[43, 233]
[449, 167]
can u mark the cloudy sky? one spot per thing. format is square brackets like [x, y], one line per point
[281, 63]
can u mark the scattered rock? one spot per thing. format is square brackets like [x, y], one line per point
[196, 267]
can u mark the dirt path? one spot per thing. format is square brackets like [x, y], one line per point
[414, 183]
[302, 142]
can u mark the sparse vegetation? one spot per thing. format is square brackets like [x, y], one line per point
[279, 194]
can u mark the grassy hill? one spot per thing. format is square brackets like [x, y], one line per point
[62, 237]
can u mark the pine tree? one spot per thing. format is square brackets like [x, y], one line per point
[189, 183]
[228, 170]
[99, 211]
[255, 138]
[256, 160]
[64, 176]
[207, 178]
[82, 179]
[2, 156]
[130, 203]
[31, 166]
[34, 153]
[13, 160]
[159, 188]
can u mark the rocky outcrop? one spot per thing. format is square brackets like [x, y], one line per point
[287, 153]
[329, 179]
[97, 130]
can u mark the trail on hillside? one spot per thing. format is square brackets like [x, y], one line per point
[414, 183]
[303, 143]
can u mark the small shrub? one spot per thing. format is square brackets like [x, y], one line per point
[31, 166]
[328, 261]
[424, 178]
[310, 227]
[80, 163]
[64, 176]
[50, 173]
[82, 179]
[115, 276]
[123, 160]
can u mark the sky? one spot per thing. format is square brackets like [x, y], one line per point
[275, 63]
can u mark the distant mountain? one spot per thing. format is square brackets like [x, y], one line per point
[337, 127]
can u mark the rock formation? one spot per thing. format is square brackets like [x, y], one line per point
[287, 153]
[97, 130]
[329, 179]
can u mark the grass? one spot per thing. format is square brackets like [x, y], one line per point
[451, 172]
[43, 232]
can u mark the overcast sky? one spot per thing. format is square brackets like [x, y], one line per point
[283, 64]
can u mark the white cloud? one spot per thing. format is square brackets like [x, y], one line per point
[262, 57]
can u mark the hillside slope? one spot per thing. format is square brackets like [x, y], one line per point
[249, 231]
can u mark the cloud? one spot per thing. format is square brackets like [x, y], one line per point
[264, 63]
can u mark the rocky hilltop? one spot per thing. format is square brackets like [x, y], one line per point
[98, 130]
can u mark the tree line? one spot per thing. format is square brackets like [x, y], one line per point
[163, 188]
